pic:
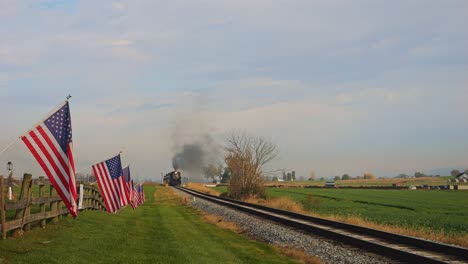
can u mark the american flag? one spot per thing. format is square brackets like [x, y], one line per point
[133, 195]
[141, 193]
[124, 185]
[128, 185]
[51, 145]
[108, 175]
[136, 195]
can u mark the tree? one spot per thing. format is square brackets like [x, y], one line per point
[369, 176]
[275, 179]
[246, 156]
[293, 176]
[212, 171]
[337, 178]
[289, 176]
[419, 174]
[226, 176]
[345, 177]
[454, 172]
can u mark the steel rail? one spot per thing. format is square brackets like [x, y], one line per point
[399, 247]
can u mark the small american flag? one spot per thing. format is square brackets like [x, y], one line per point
[141, 193]
[51, 145]
[126, 183]
[108, 174]
[133, 195]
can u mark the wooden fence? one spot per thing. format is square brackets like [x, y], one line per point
[37, 204]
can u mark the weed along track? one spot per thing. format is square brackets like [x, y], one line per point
[398, 247]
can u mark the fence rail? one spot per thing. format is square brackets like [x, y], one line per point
[38, 203]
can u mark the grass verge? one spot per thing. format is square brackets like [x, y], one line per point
[160, 231]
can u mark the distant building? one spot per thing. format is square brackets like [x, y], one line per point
[460, 182]
[462, 177]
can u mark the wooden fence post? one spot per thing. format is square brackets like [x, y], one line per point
[27, 210]
[2, 208]
[42, 205]
[53, 205]
[24, 196]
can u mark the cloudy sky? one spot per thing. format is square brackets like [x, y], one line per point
[339, 86]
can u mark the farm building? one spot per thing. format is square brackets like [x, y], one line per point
[460, 182]
[462, 176]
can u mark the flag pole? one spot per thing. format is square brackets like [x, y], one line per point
[84, 168]
[47, 115]
[9, 145]
[42, 120]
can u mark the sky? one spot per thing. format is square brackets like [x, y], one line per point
[339, 86]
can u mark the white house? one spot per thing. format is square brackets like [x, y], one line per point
[462, 177]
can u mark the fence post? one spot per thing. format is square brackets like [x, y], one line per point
[2, 208]
[53, 205]
[42, 205]
[27, 210]
[24, 196]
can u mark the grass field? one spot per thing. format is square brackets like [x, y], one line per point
[376, 182]
[161, 231]
[442, 215]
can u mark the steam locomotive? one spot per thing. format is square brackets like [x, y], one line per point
[173, 178]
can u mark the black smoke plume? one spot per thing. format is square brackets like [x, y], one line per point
[194, 157]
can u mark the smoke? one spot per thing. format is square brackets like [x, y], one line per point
[194, 157]
[193, 140]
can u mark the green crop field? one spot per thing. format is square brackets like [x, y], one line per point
[421, 209]
[160, 231]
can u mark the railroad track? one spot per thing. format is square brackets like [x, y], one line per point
[398, 247]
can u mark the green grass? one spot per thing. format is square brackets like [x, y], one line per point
[433, 210]
[160, 231]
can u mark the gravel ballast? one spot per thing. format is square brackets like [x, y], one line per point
[263, 230]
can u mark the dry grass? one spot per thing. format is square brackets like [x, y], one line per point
[296, 254]
[286, 203]
[219, 222]
[299, 255]
[283, 203]
[461, 240]
[199, 187]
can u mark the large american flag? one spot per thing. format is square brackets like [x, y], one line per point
[51, 145]
[107, 175]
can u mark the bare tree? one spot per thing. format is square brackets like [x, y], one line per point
[246, 156]
[369, 176]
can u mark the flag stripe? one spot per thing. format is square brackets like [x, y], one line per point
[41, 162]
[59, 171]
[103, 190]
[113, 186]
[105, 179]
[60, 155]
[72, 182]
[123, 196]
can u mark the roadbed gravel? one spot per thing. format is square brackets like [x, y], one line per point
[329, 251]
